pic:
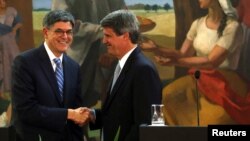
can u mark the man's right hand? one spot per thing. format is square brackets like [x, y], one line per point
[80, 116]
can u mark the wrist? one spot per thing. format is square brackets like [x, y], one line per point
[70, 114]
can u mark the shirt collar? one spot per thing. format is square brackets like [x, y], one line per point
[123, 60]
[50, 53]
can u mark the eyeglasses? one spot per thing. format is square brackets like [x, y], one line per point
[60, 32]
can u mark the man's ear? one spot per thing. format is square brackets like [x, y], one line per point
[45, 32]
[126, 35]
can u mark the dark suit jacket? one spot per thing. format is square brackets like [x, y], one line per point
[129, 104]
[37, 109]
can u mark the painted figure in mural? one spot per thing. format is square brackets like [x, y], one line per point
[46, 86]
[10, 23]
[212, 47]
[87, 48]
[244, 18]
[135, 85]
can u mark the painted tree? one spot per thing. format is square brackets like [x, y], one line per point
[147, 7]
[167, 6]
[155, 7]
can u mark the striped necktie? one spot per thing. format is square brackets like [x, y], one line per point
[59, 76]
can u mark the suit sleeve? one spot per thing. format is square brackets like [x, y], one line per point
[98, 121]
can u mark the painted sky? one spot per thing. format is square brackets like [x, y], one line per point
[47, 3]
[41, 4]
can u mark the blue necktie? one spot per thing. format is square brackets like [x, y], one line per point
[59, 76]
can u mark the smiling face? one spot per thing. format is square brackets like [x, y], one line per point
[58, 37]
[117, 45]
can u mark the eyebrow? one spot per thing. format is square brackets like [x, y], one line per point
[59, 29]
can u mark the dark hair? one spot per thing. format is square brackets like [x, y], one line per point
[56, 16]
[223, 23]
[122, 21]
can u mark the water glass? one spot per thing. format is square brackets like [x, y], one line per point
[157, 115]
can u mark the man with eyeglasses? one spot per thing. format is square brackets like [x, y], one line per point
[46, 86]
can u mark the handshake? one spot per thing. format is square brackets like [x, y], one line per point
[81, 116]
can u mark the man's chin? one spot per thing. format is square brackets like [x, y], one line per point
[63, 49]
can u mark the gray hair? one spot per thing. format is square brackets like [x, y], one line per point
[122, 21]
[57, 16]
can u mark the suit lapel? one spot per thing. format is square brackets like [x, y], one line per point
[67, 78]
[112, 95]
[48, 71]
[120, 79]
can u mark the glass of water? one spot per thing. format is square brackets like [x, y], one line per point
[157, 115]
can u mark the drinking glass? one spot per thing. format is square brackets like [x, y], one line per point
[157, 115]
